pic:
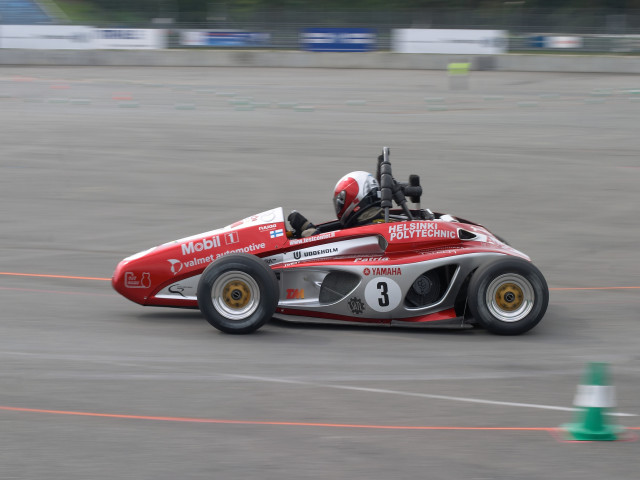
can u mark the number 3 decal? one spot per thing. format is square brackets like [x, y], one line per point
[383, 301]
[382, 294]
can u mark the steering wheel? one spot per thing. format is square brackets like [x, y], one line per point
[390, 190]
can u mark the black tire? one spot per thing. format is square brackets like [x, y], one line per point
[508, 296]
[238, 293]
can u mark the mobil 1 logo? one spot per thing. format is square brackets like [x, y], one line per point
[382, 294]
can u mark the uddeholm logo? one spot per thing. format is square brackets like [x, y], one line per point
[297, 255]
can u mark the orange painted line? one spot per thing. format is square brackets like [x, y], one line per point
[54, 276]
[287, 424]
[251, 422]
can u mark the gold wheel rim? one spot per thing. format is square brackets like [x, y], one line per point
[236, 294]
[509, 297]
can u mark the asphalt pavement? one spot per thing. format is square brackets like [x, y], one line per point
[99, 163]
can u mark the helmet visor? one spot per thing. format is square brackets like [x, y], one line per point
[338, 202]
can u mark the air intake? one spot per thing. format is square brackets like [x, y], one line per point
[466, 235]
[337, 285]
[430, 287]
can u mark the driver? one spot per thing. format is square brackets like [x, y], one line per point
[356, 199]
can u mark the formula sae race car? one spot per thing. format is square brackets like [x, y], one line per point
[411, 268]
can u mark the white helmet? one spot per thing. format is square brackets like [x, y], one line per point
[354, 193]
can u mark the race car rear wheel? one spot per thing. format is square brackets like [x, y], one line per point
[238, 293]
[508, 296]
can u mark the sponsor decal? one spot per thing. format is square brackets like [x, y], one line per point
[266, 220]
[231, 238]
[295, 294]
[338, 39]
[119, 34]
[224, 38]
[354, 246]
[451, 41]
[134, 280]
[392, 271]
[276, 233]
[356, 306]
[320, 252]
[410, 230]
[178, 289]
[45, 36]
[366, 272]
[248, 249]
[184, 289]
[313, 238]
[129, 38]
[289, 264]
[200, 246]
[195, 261]
[176, 265]
[371, 259]
[438, 250]
[298, 254]
[273, 259]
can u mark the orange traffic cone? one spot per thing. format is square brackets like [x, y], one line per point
[593, 397]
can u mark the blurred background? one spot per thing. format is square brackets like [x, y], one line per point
[584, 26]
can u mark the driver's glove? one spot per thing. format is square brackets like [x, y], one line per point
[301, 226]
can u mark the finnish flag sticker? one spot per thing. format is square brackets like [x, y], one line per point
[276, 233]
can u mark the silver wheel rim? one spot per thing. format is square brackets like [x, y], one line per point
[235, 295]
[510, 297]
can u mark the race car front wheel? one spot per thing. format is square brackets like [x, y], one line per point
[238, 293]
[508, 296]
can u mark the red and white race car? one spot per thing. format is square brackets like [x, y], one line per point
[413, 268]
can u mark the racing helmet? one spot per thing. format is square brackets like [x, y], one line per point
[355, 193]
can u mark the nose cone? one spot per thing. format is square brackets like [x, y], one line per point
[133, 276]
[130, 282]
